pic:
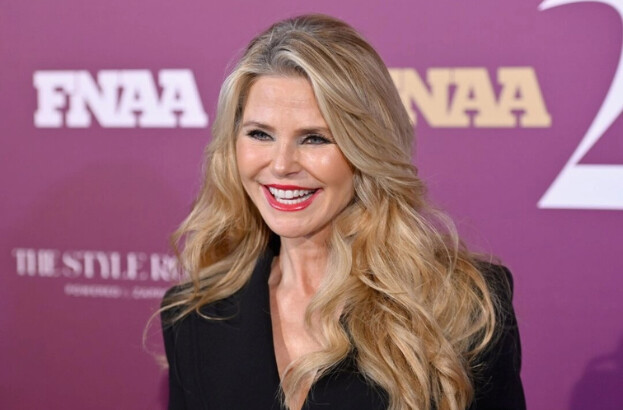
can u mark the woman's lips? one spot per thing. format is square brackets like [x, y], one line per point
[289, 197]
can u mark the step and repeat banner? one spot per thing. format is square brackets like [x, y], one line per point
[105, 109]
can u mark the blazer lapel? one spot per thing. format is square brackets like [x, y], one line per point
[235, 357]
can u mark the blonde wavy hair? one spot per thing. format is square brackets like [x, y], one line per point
[403, 295]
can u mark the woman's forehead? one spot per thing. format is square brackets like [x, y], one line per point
[282, 99]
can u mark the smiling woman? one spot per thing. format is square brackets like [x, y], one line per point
[319, 276]
[289, 164]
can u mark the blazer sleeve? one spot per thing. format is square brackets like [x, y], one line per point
[176, 391]
[497, 384]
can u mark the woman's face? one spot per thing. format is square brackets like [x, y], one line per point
[288, 161]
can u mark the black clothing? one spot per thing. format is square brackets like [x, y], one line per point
[230, 364]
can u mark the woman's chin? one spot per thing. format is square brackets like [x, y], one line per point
[287, 231]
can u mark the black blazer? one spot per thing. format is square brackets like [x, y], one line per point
[230, 364]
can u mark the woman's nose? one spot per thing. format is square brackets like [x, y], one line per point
[285, 159]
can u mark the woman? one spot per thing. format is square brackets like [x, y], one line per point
[319, 277]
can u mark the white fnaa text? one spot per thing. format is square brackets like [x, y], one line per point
[118, 99]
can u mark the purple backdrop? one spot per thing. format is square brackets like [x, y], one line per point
[102, 109]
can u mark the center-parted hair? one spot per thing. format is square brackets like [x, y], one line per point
[401, 294]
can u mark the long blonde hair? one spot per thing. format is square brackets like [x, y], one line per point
[403, 296]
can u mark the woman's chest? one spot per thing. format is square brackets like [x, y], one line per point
[231, 364]
[292, 336]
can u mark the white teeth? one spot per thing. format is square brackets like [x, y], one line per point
[291, 196]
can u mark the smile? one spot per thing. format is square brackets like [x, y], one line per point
[289, 198]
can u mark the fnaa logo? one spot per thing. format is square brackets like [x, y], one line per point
[450, 95]
[118, 99]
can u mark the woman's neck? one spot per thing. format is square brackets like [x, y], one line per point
[301, 265]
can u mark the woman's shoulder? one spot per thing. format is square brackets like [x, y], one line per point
[183, 303]
[497, 381]
[172, 304]
[497, 276]
[500, 284]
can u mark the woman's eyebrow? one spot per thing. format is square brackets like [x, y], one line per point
[258, 125]
[301, 131]
[314, 130]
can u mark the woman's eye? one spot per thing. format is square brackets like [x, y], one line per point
[316, 139]
[258, 135]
